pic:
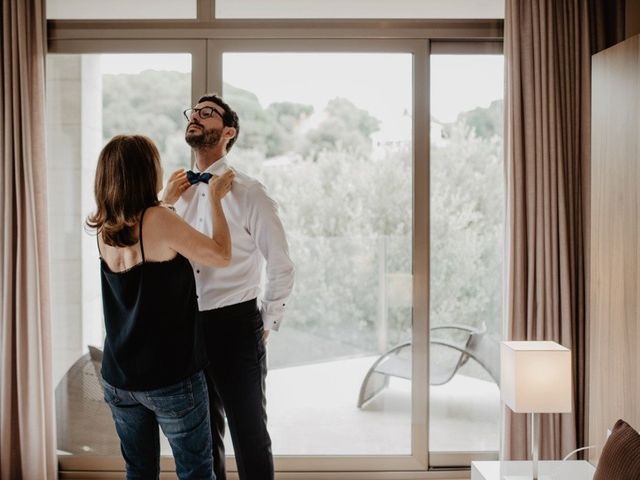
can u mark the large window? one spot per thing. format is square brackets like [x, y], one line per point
[360, 9]
[466, 231]
[330, 136]
[121, 9]
[383, 149]
[91, 98]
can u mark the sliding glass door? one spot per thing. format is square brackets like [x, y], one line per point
[90, 98]
[330, 135]
[385, 160]
[466, 251]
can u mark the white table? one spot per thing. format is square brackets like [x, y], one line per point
[548, 470]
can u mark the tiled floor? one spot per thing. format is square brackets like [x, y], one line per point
[313, 411]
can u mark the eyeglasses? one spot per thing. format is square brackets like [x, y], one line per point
[203, 113]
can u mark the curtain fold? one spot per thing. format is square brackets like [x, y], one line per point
[548, 47]
[27, 422]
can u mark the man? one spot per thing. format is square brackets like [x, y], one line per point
[235, 329]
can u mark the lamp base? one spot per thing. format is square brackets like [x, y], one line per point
[527, 477]
[535, 439]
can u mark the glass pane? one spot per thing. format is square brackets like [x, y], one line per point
[359, 9]
[90, 98]
[467, 208]
[121, 9]
[330, 137]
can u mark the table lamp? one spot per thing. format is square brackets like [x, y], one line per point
[535, 377]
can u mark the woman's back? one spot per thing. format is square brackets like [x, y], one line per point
[150, 306]
[156, 249]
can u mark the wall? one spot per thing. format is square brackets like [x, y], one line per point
[632, 18]
[614, 373]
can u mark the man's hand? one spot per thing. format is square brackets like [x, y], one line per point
[176, 185]
[265, 335]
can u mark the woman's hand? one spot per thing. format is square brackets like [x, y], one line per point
[221, 185]
[176, 185]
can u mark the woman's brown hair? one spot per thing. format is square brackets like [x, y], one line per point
[126, 184]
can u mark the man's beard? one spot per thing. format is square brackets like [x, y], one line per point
[204, 138]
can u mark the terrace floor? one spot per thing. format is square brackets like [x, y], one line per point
[313, 411]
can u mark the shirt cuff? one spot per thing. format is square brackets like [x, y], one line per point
[272, 315]
[180, 206]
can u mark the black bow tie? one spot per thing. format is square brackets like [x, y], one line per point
[194, 177]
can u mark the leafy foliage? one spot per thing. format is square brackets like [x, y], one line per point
[486, 123]
[347, 206]
[149, 103]
[346, 128]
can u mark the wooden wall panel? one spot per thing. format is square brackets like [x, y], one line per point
[614, 359]
[632, 18]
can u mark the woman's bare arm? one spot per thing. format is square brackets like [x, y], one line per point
[214, 251]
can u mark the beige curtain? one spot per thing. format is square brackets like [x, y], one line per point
[27, 443]
[548, 46]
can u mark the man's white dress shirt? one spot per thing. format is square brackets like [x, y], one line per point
[256, 235]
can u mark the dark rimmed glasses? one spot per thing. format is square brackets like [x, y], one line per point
[203, 113]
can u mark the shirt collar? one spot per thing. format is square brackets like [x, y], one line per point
[217, 168]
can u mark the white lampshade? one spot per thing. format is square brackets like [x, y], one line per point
[535, 377]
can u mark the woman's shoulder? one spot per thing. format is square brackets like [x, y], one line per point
[158, 226]
[160, 211]
[160, 218]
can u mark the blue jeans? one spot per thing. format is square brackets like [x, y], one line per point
[181, 410]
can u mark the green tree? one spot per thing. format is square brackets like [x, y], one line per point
[290, 115]
[337, 206]
[347, 208]
[271, 131]
[486, 123]
[149, 103]
[466, 230]
[346, 128]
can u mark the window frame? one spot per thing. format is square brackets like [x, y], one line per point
[207, 40]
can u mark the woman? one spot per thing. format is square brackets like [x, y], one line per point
[152, 364]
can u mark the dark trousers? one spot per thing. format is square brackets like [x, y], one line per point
[236, 382]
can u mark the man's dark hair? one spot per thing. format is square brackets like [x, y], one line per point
[230, 118]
